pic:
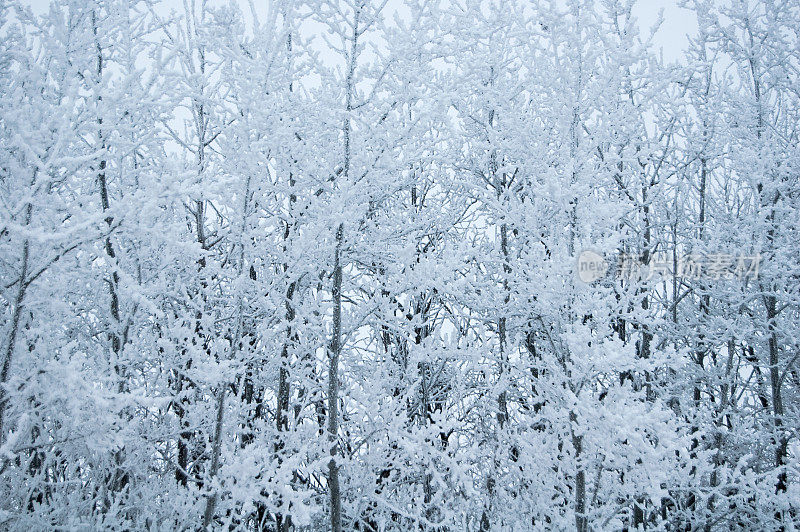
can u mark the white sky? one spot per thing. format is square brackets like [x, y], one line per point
[671, 37]
[678, 23]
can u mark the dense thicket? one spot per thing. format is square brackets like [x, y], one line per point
[311, 265]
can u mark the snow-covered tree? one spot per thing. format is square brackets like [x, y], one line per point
[317, 265]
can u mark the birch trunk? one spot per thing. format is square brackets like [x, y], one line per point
[333, 387]
[770, 300]
[19, 300]
[336, 345]
[236, 344]
[119, 478]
